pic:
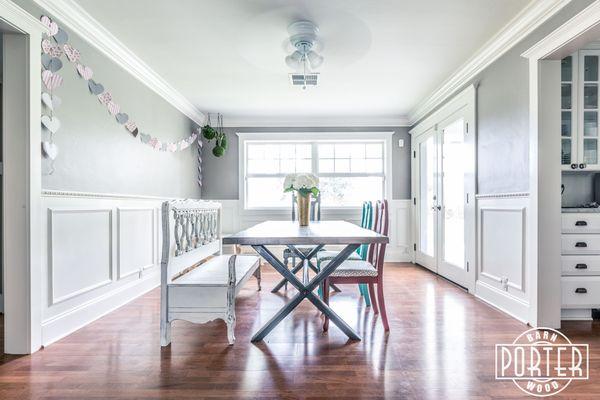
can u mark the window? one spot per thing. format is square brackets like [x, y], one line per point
[350, 171]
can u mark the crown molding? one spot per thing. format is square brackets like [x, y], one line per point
[13, 14]
[531, 17]
[313, 122]
[81, 23]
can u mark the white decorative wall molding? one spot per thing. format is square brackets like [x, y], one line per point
[270, 121]
[93, 195]
[507, 195]
[99, 252]
[502, 274]
[530, 18]
[85, 26]
[12, 12]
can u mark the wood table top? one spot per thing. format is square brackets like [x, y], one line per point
[317, 232]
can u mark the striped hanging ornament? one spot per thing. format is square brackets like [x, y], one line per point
[199, 162]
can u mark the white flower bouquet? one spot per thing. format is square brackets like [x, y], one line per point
[304, 184]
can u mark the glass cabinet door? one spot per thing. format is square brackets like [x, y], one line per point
[588, 115]
[568, 97]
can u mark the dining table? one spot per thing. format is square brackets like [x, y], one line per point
[268, 234]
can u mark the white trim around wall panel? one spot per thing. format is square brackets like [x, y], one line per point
[503, 278]
[131, 246]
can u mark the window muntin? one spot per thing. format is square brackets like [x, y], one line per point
[350, 171]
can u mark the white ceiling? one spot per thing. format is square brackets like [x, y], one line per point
[381, 57]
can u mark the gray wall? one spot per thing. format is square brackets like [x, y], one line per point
[503, 113]
[97, 154]
[221, 174]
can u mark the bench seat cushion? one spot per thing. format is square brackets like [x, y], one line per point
[215, 271]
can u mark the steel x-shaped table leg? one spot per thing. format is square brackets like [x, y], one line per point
[303, 257]
[305, 291]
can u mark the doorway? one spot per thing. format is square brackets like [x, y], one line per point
[443, 189]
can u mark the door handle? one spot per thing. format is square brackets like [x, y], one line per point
[436, 208]
[581, 223]
[581, 244]
[581, 266]
[581, 290]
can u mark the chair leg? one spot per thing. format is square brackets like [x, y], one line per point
[326, 301]
[381, 301]
[373, 299]
[258, 276]
[165, 333]
[286, 261]
[364, 292]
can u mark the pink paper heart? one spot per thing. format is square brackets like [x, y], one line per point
[130, 126]
[105, 97]
[85, 72]
[113, 107]
[72, 53]
[46, 45]
[52, 26]
[172, 147]
[51, 80]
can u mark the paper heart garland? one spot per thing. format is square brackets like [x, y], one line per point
[61, 37]
[46, 46]
[132, 128]
[113, 108]
[122, 118]
[48, 23]
[172, 147]
[51, 123]
[105, 97]
[72, 53]
[50, 149]
[144, 138]
[51, 80]
[95, 88]
[52, 63]
[85, 72]
[51, 101]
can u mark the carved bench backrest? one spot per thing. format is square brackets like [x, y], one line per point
[191, 232]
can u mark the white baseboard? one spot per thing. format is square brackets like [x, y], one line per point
[579, 314]
[498, 299]
[68, 322]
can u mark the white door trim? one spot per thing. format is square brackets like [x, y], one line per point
[22, 179]
[544, 216]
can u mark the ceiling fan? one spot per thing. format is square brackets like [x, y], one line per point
[303, 36]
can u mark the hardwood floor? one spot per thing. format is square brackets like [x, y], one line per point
[441, 346]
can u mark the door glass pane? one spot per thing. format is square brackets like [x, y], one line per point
[590, 151]
[427, 160]
[566, 96]
[591, 68]
[590, 123]
[565, 123]
[453, 190]
[566, 69]
[590, 96]
[566, 152]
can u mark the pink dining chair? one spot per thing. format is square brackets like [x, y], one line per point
[369, 271]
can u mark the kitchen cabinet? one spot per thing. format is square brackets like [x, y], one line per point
[580, 82]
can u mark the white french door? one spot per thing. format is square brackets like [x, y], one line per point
[443, 161]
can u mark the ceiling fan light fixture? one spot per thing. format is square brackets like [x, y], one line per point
[314, 59]
[294, 60]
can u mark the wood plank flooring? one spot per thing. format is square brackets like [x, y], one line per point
[441, 346]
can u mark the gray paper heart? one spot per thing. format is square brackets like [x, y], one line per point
[61, 37]
[51, 123]
[54, 64]
[164, 147]
[51, 101]
[46, 60]
[144, 138]
[95, 88]
[50, 149]
[122, 118]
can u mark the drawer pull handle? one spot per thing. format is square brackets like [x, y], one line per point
[581, 223]
[581, 266]
[581, 290]
[581, 244]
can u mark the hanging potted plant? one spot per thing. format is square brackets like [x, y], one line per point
[218, 135]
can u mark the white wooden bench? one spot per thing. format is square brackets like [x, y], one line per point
[198, 283]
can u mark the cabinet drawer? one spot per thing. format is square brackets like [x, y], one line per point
[580, 292]
[580, 223]
[580, 265]
[580, 244]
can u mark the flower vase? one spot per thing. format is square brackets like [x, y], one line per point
[303, 209]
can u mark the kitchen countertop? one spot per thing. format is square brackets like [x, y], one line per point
[581, 210]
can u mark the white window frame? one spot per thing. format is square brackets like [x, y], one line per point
[303, 137]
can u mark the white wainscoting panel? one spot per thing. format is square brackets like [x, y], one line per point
[138, 233]
[502, 268]
[80, 251]
[235, 218]
[99, 252]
